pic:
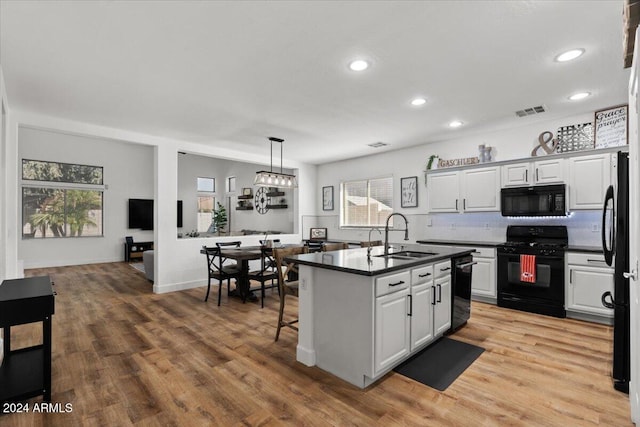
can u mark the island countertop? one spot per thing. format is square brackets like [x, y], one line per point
[355, 261]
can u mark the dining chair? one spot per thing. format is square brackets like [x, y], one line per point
[216, 270]
[266, 273]
[326, 247]
[286, 285]
[370, 243]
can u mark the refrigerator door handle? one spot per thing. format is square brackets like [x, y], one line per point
[610, 303]
[608, 249]
[631, 275]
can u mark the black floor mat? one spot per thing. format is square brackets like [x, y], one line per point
[440, 364]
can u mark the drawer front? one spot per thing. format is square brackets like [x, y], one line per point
[393, 283]
[588, 259]
[442, 269]
[484, 253]
[422, 274]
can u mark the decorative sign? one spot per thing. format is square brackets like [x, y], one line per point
[544, 139]
[327, 198]
[409, 192]
[575, 138]
[442, 163]
[611, 126]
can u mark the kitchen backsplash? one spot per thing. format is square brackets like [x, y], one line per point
[583, 227]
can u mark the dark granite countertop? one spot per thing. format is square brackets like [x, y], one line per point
[355, 261]
[458, 243]
[589, 249]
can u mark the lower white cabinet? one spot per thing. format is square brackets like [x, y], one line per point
[587, 278]
[483, 278]
[409, 319]
[392, 328]
[442, 306]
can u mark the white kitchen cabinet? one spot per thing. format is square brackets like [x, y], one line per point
[422, 314]
[392, 329]
[483, 279]
[548, 171]
[472, 190]
[442, 307]
[588, 277]
[589, 177]
[481, 190]
[443, 189]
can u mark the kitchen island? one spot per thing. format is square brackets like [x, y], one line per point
[360, 316]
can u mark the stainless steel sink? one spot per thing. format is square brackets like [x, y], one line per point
[407, 255]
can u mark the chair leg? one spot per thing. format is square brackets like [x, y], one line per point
[208, 289]
[262, 291]
[219, 291]
[280, 315]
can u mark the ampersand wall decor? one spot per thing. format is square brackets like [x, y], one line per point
[544, 139]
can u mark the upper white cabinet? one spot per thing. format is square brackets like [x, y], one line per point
[471, 190]
[443, 191]
[548, 171]
[589, 177]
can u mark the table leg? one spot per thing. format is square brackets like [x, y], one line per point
[6, 336]
[46, 372]
[243, 280]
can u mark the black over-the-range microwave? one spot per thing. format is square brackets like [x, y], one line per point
[539, 200]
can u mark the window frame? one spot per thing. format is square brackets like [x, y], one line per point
[31, 183]
[368, 183]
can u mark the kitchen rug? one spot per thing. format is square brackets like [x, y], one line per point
[441, 363]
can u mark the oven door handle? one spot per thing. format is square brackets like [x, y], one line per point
[466, 264]
[610, 303]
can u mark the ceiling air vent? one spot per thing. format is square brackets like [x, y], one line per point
[531, 111]
[377, 144]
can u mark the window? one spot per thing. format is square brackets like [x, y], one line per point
[366, 203]
[61, 199]
[231, 184]
[206, 203]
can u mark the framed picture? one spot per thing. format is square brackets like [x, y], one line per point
[327, 198]
[246, 192]
[318, 234]
[409, 192]
[611, 126]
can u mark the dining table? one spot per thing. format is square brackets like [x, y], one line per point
[243, 255]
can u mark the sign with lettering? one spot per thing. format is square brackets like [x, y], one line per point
[442, 163]
[610, 127]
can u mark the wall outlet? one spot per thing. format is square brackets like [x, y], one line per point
[303, 284]
[487, 226]
[429, 222]
[452, 226]
[595, 227]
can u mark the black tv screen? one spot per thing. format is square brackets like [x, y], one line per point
[179, 213]
[141, 213]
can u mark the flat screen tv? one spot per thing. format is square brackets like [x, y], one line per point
[179, 213]
[141, 213]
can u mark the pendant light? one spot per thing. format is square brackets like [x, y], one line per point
[275, 179]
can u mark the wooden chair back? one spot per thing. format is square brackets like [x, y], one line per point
[287, 271]
[220, 245]
[326, 247]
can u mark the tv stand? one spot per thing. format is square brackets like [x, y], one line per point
[133, 251]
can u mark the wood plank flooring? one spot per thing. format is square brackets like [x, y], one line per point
[124, 356]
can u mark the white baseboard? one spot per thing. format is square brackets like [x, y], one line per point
[306, 356]
[173, 287]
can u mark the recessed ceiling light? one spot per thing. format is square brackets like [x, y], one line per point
[578, 96]
[358, 65]
[569, 55]
[416, 102]
[455, 124]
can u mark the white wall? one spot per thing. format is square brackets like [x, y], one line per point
[190, 167]
[4, 107]
[128, 173]
[515, 143]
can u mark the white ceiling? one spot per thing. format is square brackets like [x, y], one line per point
[233, 73]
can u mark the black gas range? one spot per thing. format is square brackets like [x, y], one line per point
[531, 269]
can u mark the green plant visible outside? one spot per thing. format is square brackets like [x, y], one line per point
[78, 204]
[220, 218]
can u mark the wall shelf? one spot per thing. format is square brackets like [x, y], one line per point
[275, 194]
[277, 206]
[247, 197]
[244, 208]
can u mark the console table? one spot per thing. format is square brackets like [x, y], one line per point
[134, 250]
[26, 372]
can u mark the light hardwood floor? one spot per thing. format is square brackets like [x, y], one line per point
[124, 356]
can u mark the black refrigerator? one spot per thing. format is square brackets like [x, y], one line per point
[615, 244]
